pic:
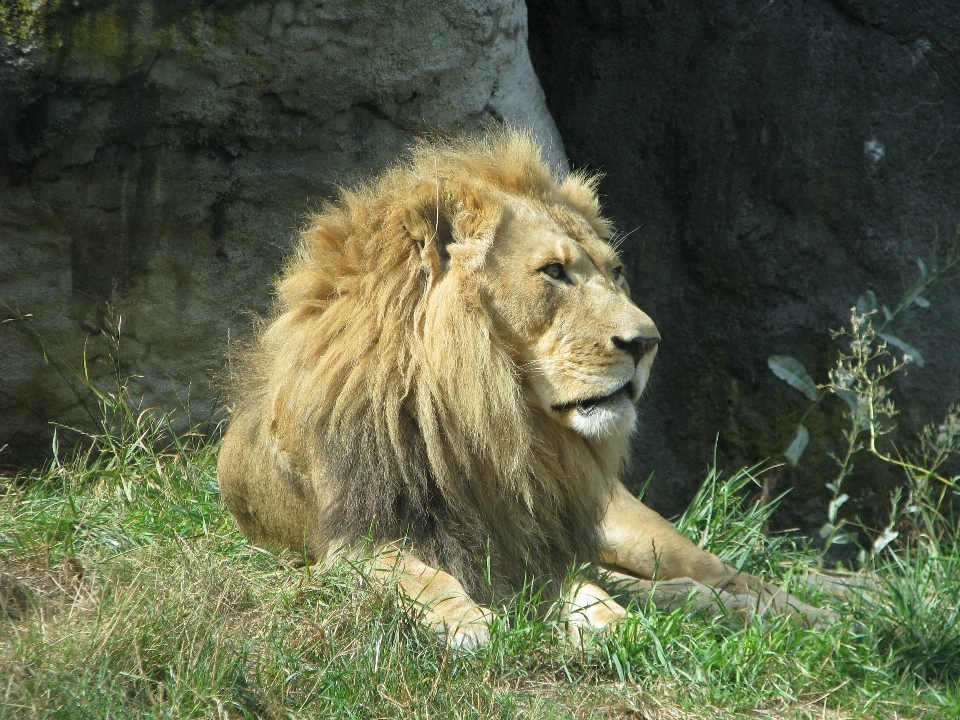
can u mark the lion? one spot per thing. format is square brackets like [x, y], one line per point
[448, 388]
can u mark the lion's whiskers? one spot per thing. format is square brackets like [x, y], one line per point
[541, 364]
[618, 238]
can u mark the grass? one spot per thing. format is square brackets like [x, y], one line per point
[126, 591]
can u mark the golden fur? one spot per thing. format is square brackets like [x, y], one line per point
[385, 389]
[452, 366]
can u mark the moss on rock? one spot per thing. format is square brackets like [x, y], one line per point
[23, 20]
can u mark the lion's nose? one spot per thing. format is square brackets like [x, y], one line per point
[638, 347]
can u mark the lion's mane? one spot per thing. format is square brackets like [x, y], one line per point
[391, 402]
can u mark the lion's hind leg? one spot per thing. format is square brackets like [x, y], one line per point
[439, 597]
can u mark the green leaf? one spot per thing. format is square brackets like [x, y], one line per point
[867, 303]
[799, 444]
[923, 268]
[835, 505]
[918, 287]
[921, 301]
[887, 315]
[885, 539]
[794, 373]
[910, 353]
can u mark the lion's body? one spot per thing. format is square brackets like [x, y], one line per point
[381, 408]
[427, 380]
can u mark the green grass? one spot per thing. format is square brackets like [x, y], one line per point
[126, 591]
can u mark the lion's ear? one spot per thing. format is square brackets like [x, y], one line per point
[427, 222]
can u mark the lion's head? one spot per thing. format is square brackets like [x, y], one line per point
[556, 296]
[455, 360]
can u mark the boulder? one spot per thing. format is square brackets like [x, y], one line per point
[157, 157]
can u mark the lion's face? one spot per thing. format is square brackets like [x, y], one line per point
[557, 297]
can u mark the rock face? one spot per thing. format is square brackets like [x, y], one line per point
[772, 161]
[156, 158]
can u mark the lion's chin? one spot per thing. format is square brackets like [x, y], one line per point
[614, 417]
[601, 418]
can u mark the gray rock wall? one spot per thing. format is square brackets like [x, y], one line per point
[156, 157]
[773, 160]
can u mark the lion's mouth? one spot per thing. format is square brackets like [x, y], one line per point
[590, 405]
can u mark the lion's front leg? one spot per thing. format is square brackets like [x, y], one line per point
[636, 539]
[445, 606]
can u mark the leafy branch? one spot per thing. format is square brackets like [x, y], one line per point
[858, 377]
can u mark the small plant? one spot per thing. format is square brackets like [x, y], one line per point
[859, 378]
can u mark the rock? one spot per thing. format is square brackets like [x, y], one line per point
[772, 161]
[156, 159]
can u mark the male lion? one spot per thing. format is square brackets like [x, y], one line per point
[452, 372]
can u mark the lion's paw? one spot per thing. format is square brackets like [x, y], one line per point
[592, 610]
[470, 631]
[467, 638]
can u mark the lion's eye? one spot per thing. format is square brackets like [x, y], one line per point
[618, 273]
[555, 271]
